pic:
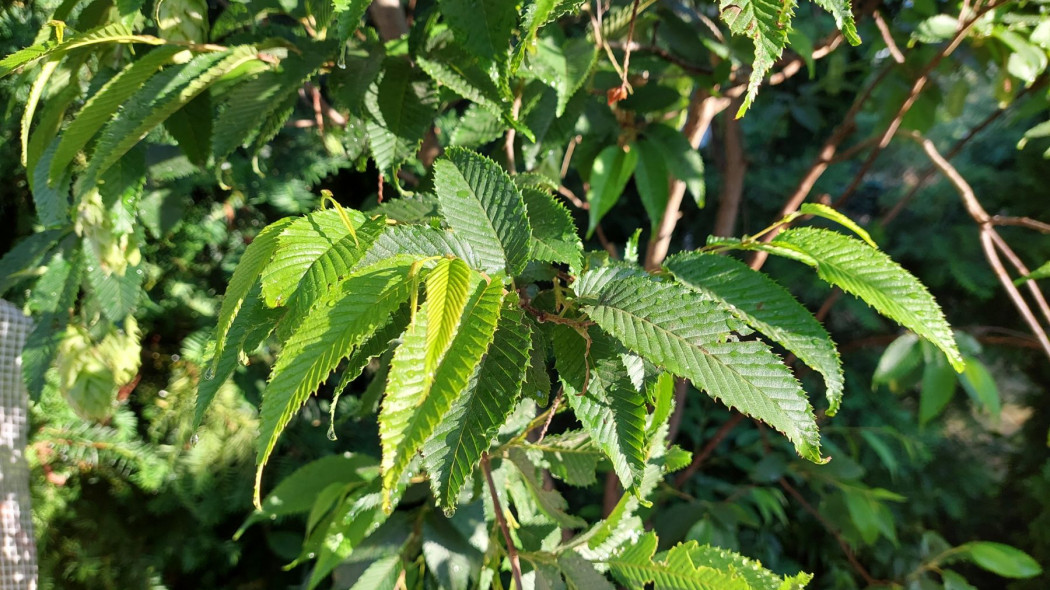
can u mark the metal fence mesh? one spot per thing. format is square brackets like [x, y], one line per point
[18, 567]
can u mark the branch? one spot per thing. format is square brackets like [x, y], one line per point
[389, 18]
[870, 581]
[913, 95]
[887, 37]
[704, 453]
[512, 551]
[732, 177]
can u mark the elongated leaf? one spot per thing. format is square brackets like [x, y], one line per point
[938, 384]
[766, 307]
[766, 23]
[571, 457]
[564, 66]
[1003, 560]
[112, 33]
[536, 15]
[382, 574]
[155, 101]
[609, 175]
[357, 517]
[843, 13]
[24, 256]
[455, 68]
[300, 245]
[249, 327]
[415, 400]
[482, 204]
[611, 410]
[978, 382]
[757, 577]
[822, 210]
[651, 178]
[637, 566]
[448, 286]
[683, 160]
[466, 431]
[400, 106]
[869, 274]
[336, 261]
[420, 242]
[554, 237]
[548, 501]
[483, 27]
[52, 302]
[192, 128]
[117, 295]
[256, 256]
[328, 335]
[680, 330]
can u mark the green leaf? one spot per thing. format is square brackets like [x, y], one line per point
[938, 384]
[302, 244]
[766, 23]
[977, 380]
[419, 242]
[466, 431]
[857, 268]
[638, 566]
[381, 574]
[1002, 560]
[601, 394]
[155, 101]
[650, 177]
[448, 285]
[758, 577]
[482, 27]
[570, 457]
[250, 103]
[897, 362]
[609, 175]
[580, 573]
[535, 16]
[251, 325]
[103, 104]
[549, 502]
[355, 519]
[416, 401]
[564, 66]
[112, 33]
[51, 200]
[400, 107]
[192, 128]
[453, 67]
[328, 335]
[822, 210]
[682, 159]
[554, 237]
[843, 13]
[767, 307]
[450, 557]
[51, 301]
[256, 256]
[117, 295]
[689, 335]
[1043, 272]
[482, 204]
[25, 256]
[297, 492]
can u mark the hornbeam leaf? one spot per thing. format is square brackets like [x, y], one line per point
[400, 108]
[766, 307]
[601, 394]
[843, 13]
[483, 205]
[327, 336]
[678, 329]
[757, 577]
[112, 33]
[466, 431]
[548, 501]
[857, 268]
[564, 66]
[482, 27]
[303, 243]
[638, 566]
[103, 104]
[421, 242]
[256, 256]
[554, 237]
[448, 286]
[156, 100]
[571, 457]
[417, 400]
[52, 301]
[766, 23]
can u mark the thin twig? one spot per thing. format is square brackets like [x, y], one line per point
[512, 551]
[571, 196]
[575, 141]
[732, 177]
[913, 95]
[550, 414]
[1004, 277]
[707, 450]
[860, 569]
[627, 51]
[1028, 222]
[508, 141]
[887, 37]
[1015, 260]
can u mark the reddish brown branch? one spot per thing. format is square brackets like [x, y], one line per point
[512, 551]
[705, 452]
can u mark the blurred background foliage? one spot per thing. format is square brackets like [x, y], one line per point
[139, 499]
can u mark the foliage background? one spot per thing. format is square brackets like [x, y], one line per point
[143, 501]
